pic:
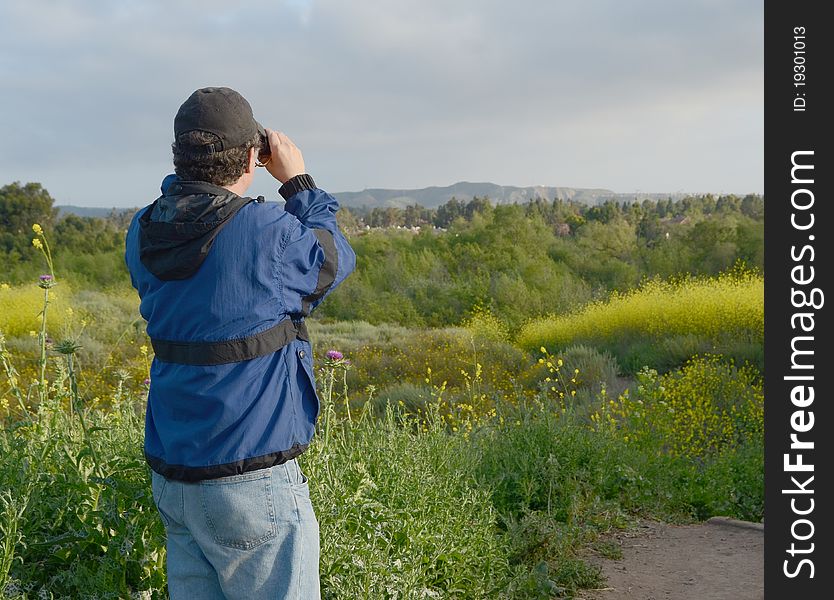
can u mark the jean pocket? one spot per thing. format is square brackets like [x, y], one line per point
[300, 477]
[158, 485]
[239, 510]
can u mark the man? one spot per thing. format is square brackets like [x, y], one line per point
[225, 283]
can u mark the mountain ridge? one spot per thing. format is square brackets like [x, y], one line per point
[435, 195]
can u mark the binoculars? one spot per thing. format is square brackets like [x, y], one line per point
[263, 151]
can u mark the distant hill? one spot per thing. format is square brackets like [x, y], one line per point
[432, 197]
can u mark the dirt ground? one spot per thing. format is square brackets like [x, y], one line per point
[717, 560]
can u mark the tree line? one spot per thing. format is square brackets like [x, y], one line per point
[518, 261]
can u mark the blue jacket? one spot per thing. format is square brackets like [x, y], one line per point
[225, 284]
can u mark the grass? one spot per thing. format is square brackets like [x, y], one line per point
[405, 511]
[402, 516]
[406, 507]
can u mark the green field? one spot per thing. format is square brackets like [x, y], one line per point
[478, 452]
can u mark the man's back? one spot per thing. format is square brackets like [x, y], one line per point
[225, 283]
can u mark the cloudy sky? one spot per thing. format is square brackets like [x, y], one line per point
[638, 95]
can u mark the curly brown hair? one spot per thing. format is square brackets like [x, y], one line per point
[193, 163]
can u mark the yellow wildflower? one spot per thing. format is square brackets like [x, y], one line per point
[37, 229]
[37, 244]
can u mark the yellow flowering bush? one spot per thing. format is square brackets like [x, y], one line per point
[486, 325]
[731, 303]
[20, 305]
[707, 407]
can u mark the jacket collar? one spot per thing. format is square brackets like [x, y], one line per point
[178, 230]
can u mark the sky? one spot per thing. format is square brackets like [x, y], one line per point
[636, 96]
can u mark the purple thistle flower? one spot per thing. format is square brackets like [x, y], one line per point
[45, 277]
[146, 381]
[334, 355]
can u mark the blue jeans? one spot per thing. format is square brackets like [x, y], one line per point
[246, 536]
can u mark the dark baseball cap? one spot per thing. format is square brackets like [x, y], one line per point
[220, 111]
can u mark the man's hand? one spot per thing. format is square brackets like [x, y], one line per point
[286, 160]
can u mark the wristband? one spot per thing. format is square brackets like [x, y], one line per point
[299, 183]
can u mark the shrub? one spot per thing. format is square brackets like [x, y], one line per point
[708, 407]
[351, 335]
[412, 398]
[453, 354]
[592, 369]
[483, 324]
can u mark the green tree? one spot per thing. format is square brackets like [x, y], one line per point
[416, 215]
[752, 205]
[477, 206]
[649, 230]
[448, 212]
[20, 207]
[348, 220]
[88, 235]
[714, 244]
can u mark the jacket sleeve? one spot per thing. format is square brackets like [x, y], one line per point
[317, 257]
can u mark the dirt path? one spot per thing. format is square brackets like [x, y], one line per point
[717, 560]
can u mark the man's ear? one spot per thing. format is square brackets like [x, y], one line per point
[250, 164]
